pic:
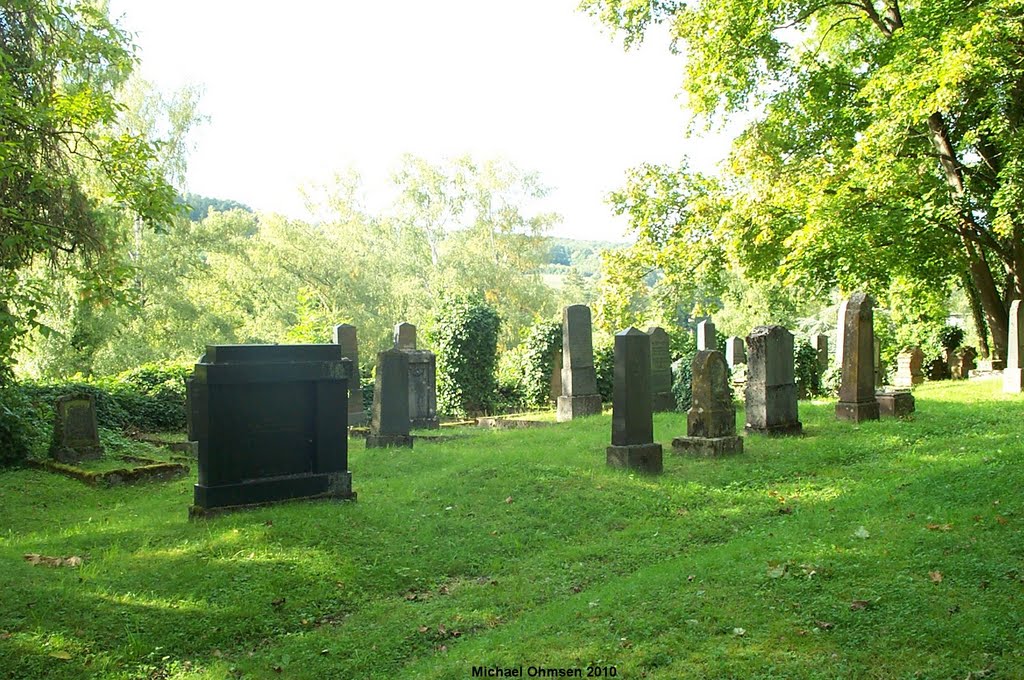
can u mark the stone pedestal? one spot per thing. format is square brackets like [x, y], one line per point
[389, 426]
[771, 392]
[385, 441]
[640, 457]
[711, 420]
[1013, 374]
[662, 398]
[895, 403]
[579, 379]
[569, 408]
[857, 390]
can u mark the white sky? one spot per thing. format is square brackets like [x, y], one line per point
[297, 91]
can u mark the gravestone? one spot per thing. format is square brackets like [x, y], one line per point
[820, 343]
[706, 339]
[422, 379]
[390, 422]
[949, 356]
[579, 380]
[1013, 374]
[345, 337]
[711, 420]
[271, 422]
[841, 332]
[76, 435]
[662, 398]
[857, 390]
[963, 363]
[909, 367]
[633, 443]
[556, 375]
[895, 403]
[734, 352]
[771, 392]
[877, 363]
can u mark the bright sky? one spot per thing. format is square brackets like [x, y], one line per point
[298, 91]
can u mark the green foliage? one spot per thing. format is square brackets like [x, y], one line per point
[604, 366]
[18, 428]
[464, 334]
[542, 341]
[200, 206]
[831, 380]
[805, 366]
[682, 381]
[951, 336]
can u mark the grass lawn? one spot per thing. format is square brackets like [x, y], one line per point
[885, 550]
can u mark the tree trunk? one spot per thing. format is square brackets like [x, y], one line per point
[991, 302]
[977, 312]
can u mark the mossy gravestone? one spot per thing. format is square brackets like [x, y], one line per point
[345, 336]
[711, 420]
[633, 444]
[389, 426]
[857, 389]
[579, 379]
[771, 392]
[662, 398]
[76, 436]
[1013, 375]
[422, 379]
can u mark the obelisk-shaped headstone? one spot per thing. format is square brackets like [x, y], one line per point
[662, 398]
[632, 421]
[711, 420]
[1013, 374]
[771, 391]
[857, 389]
[579, 380]
[706, 336]
[389, 425]
[345, 335]
[734, 352]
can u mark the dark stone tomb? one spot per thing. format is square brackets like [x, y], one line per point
[76, 436]
[389, 424]
[633, 444]
[271, 421]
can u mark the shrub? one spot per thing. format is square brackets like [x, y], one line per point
[830, 381]
[542, 341]
[19, 428]
[682, 379]
[951, 336]
[604, 367]
[465, 336]
[805, 360]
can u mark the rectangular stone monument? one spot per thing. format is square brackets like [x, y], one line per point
[897, 403]
[771, 392]
[389, 426]
[734, 352]
[841, 332]
[820, 343]
[405, 336]
[1013, 374]
[963, 363]
[706, 339]
[346, 338]
[711, 420]
[909, 367]
[76, 434]
[633, 443]
[422, 379]
[662, 398]
[857, 401]
[271, 421]
[556, 375]
[579, 379]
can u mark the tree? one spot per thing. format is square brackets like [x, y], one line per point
[882, 126]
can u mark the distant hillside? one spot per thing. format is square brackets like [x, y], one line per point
[583, 256]
[199, 206]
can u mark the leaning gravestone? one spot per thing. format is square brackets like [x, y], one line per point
[633, 443]
[76, 435]
[579, 380]
[734, 352]
[857, 389]
[706, 339]
[771, 392]
[662, 398]
[345, 337]
[711, 420]
[1013, 374]
[389, 426]
[909, 367]
[422, 379]
[271, 421]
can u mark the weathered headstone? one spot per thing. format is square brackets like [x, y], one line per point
[857, 390]
[909, 367]
[662, 398]
[895, 403]
[346, 338]
[579, 379]
[405, 336]
[633, 443]
[556, 375]
[271, 421]
[877, 363]
[711, 420]
[76, 435]
[963, 363]
[389, 424]
[1013, 374]
[706, 339]
[820, 343]
[771, 392]
[734, 352]
[949, 356]
[841, 332]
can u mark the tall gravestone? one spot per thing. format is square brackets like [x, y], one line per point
[964, 363]
[841, 333]
[556, 375]
[579, 379]
[711, 420]
[76, 434]
[662, 398]
[1013, 374]
[820, 343]
[877, 362]
[345, 337]
[909, 367]
[857, 389]
[706, 339]
[633, 443]
[271, 422]
[734, 351]
[422, 379]
[771, 392]
[389, 424]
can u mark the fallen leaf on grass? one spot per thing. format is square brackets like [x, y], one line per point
[939, 527]
[36, 558]
[861, 532]
[64, 656]
[1002, 520]
[509, 499]
[786, 510]
[825, 625]
[935, 576]
[740, 632]
[423, 629]
[858, 605]
[777, 570]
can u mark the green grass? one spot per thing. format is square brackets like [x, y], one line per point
[520, 548]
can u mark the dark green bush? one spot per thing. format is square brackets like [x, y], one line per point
[682, 378]
[543, 340]
[465, 337]
[951, 336]
[604, 367]
[19, 426]
[805, 360]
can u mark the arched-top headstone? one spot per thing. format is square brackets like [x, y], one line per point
[711, 420]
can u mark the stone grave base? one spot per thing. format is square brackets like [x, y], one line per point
[425, 423]
[777, 430]
[663, 401]
[388, 441]
[510, 423]
[570, 408]
[143, 470]
[895, 404]
[642, 457]
[708, 446]
[857, 411]
[78, 454]
[988, 365]
[271, 490]
[1013, 380]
